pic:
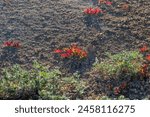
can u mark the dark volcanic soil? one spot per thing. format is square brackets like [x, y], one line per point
[44, 25]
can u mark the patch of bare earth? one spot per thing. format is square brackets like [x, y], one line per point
[44, 25]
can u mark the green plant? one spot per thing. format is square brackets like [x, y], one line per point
[16, 83]
[72, 85]
[127, 62]
[121, 97]
[39, 83]
[47, 82]
[53, 86]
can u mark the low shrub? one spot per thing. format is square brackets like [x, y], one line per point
[17, 83]
[127, 62]
[39, 83]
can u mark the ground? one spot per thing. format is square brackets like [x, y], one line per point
[44, 25]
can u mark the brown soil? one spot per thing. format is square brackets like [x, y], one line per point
[44, 25]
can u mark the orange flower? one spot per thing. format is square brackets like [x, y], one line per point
[144, 48]
[73, 50]
[148, 57]
[83, 54]
[78, 50]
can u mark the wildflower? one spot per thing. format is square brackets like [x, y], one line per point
[87, 11]
[83, 54]
[69, 51]
[148, 57]
[57, 51]
[92, 11]
[108, 3]
[144, 48]
[64, 55]
[116, 90]
[7, 43]
[11, 44]
[16, 44]
[77, 51]
[97, 11]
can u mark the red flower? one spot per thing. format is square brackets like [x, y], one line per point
[69, 51]
[57, 51]
[108, 3]
[78, 50]
[64, 55]
[92, 11]
[16, 44]
[7, 43]
[97, 11]
[11, 44]
[116, 90]
[148, 57]
[88, 11]
[144, 48]
[73, 50]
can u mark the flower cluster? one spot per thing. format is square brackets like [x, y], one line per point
[72, 51]
[146, 52]
[92, 11]
[96, 11]
[144, 48]
[14, 44]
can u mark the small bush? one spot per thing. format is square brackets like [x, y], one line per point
[127, 62]
[16, 83]
[39, 83]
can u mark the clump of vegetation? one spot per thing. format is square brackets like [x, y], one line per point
[39, 83]
[73, 57]
[127, 62]
[17, 83]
